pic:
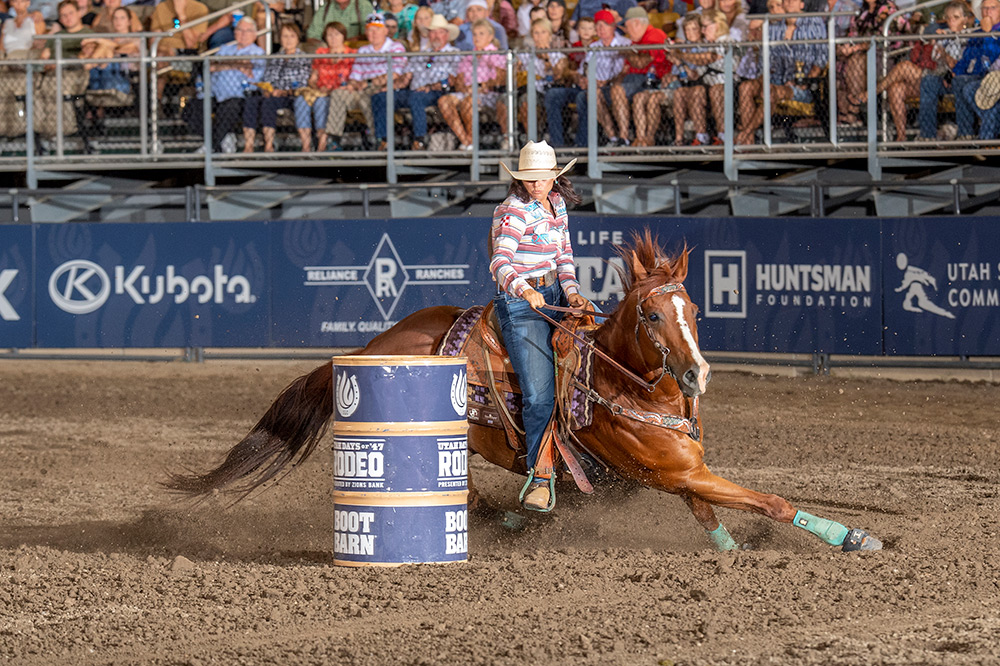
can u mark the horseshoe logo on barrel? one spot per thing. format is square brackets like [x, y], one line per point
[347, 396]
[459, 393]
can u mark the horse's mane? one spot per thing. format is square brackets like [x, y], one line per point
[643, 252]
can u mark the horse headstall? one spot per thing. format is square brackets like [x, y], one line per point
[641, 318]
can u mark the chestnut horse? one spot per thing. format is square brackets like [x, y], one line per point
[651, 331]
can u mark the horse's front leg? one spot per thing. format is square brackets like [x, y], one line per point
[705, 515]
[702, 489]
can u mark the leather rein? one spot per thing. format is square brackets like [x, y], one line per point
[641, 319]
[690, 427]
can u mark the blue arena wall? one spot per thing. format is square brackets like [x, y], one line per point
[874, 286]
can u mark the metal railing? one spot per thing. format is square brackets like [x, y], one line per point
[192, 203]
[827, 138]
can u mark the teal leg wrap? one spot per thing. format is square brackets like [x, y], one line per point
[829, 531]
[721, 538]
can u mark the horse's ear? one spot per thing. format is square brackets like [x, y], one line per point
[680, 267]
[638, 270]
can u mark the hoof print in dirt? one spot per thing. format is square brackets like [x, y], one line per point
[860, 540]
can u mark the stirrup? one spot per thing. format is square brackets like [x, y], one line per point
[552, 493]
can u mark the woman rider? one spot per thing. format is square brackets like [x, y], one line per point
[532, 264]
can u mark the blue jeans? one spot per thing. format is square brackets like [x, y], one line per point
[528, 339]
[414, 100]
[989, 119]
[932, 89]
[320, 107]
[110, 77]
[555, 101]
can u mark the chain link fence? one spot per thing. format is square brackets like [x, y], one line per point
[786, 86]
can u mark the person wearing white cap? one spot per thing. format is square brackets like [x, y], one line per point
[532, 264]
[474, 11]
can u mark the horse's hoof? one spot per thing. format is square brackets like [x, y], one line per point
[513, 521]
[860, 540]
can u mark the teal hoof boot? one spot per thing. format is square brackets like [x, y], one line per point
[860, 540]
[513, 521]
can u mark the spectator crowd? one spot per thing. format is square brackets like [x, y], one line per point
[658, 67]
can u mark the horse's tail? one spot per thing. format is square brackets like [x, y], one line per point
[287, 433]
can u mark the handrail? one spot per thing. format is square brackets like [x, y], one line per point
[828, 145]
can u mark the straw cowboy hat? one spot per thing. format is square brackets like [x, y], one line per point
[439, 22]
[537, 162]
[989, 91]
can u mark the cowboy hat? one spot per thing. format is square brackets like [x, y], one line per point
[537, 162]
[989, 91]
[439, 22]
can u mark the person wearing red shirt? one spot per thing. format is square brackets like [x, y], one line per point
[644, 68]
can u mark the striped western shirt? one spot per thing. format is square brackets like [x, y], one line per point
[607, 64]
[529, 242]
[365, 69]
[432, 67]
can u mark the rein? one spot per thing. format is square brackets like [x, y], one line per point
[590, 343]
[640, 319]
[689, 427]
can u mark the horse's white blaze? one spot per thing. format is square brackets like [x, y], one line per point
[692, 345]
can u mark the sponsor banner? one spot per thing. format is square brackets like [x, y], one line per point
[341, 283]
[16, 312]
[595, 240]
[762, 285]
[941, 285]
[152, 285]
[789, 285]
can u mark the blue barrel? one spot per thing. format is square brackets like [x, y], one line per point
[400, 460]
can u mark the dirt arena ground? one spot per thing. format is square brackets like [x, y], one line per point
[99, 566]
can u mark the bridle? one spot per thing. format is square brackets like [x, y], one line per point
[641, 319]
[688, 426]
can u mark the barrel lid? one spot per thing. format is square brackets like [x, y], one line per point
[398, 360]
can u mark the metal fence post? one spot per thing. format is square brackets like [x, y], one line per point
[206, 109]
[765, 54]
[143, 99]
[390, 130]
[29, 131]
[874, 165]
[511, 92]
[154, 106]
[593, 166]
[474, 175]
[532, 94]
[729, 165]
[60, 127]
[831, 66]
